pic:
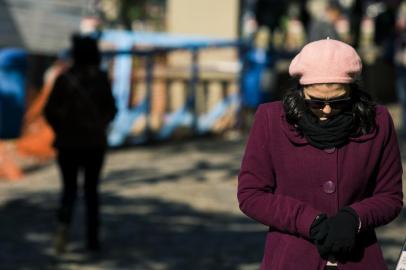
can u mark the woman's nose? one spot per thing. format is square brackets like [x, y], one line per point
[326, 109]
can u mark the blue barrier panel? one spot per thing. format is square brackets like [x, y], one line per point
[153, 44]
[255, 63]
[13, 65]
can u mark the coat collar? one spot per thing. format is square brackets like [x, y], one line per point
[296, 138]
[290, 131]
[366, 137]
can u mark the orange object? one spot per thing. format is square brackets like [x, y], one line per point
[9, 169]
[34, 147]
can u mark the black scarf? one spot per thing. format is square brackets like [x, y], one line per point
[330, 133]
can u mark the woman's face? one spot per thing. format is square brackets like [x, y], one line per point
[326, 92]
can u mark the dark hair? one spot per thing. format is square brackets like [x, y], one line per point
[84, 50]
[363, 108]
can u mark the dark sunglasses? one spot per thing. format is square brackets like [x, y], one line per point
[335, 104]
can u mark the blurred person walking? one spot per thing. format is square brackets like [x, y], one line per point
[324, 20]
[322, 168]
[269, 13]
[400, 63]
[79, 110]
[385, 31]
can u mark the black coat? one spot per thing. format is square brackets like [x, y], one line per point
[80, 107]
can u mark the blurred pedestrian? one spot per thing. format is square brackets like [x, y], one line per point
[385, 30]
[325, 24]
[269, 13]
[356, 14]
[400, 63]
[322, 168]
[79, 110]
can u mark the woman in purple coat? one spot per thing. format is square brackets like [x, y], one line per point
[322, 168]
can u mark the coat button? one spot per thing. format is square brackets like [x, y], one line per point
[329, 187]
[330, 150]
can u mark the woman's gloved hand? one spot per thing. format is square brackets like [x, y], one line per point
[318, 233]
[342, 232]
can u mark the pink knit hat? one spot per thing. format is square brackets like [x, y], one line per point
[326, 61]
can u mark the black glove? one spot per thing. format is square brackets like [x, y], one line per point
[340, 240]
[319, 230]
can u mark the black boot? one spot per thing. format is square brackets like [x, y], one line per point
[61, 238]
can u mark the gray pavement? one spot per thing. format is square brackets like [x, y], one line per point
[165, 207]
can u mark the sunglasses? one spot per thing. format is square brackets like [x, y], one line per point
[335, 104]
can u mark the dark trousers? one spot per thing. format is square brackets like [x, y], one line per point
[71, 161]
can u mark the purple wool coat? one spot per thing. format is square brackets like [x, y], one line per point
[284, 183]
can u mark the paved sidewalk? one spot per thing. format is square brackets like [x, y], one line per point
[171, 207]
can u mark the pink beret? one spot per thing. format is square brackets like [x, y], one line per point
[326, 61]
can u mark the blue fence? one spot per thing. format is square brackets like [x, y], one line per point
[128, 45]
